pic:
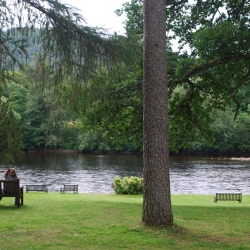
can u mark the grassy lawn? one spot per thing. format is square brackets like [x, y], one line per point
[92, 221]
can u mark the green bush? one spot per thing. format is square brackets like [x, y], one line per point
[132, 185]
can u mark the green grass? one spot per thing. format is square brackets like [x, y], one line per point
[92, 221]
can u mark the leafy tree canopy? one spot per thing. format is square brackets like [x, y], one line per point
[214, 72]
[208, 71]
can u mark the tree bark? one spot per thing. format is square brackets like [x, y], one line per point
[157, 208]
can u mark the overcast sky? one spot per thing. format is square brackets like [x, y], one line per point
[100, 13]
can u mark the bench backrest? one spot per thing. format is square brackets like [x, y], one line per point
[228, 196]
[70, 187]
[36, 187]
[9, 188]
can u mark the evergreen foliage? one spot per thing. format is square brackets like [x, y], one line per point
[10, 132]
[65, 47]
[60, 34]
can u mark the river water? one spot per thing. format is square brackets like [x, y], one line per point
[95, 173]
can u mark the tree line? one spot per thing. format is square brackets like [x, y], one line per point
[48, 123]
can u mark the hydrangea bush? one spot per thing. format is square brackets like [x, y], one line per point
[132, 185]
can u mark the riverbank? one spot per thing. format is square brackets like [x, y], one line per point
[81, 152]
[45, 151]
[95, 221]
[233, 156]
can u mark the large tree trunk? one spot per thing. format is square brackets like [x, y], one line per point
[156, 201]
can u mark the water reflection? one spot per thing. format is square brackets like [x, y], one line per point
[95, 173]
[209, 175]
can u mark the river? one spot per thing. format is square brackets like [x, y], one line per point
[94, 173]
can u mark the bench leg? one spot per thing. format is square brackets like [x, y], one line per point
[17, 201]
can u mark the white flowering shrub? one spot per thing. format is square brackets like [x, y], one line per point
[132, 185]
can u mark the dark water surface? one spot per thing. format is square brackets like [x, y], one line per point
[95, 173]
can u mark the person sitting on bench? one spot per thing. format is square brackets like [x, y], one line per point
[10, 174]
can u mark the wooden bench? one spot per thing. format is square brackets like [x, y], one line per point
[31, 187]
[11, 188]
[228, 197]
[69, 188]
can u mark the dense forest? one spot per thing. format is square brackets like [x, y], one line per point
[48, 123]
[103, 111]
